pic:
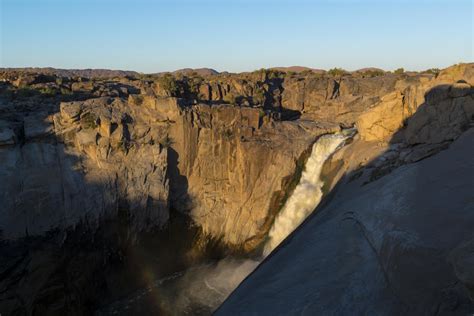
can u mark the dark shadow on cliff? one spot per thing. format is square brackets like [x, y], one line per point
[97, 259]
[179, 197]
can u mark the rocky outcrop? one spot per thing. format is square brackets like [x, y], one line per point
[338, 100]
[433, 110]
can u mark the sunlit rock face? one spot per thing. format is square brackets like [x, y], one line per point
[233, 161]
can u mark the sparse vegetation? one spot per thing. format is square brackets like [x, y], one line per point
[138, 99]
[88, 121]
[49, 91]
[166, 141]
[193, 84]
[230, 98]
[65, 91]
[266, 74]
[259, 97]
[337, 72]
[433, 71]
[169, 83]
[373, 73]
[399, 71]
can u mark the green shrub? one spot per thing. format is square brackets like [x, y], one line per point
[373, 73]
[336, 72]
[259, 97]
[272, 73]
[169, 84]
[266, 74]
[193, 84]
[48, 91]
[88, 121]
[433, 71]
[66, 91]
[399, 71]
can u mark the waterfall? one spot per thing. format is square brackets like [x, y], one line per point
[307, 194]
[203, 288]
[212, 284]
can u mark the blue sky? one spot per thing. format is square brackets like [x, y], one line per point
[153, 36]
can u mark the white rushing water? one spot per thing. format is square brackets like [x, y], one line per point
[214, 284]
[307, 194]
[201, 289]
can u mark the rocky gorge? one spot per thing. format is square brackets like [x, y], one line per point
[109, 184]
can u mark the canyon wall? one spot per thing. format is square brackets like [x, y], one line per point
[92, 170]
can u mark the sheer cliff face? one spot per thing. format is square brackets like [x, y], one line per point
[234, 160]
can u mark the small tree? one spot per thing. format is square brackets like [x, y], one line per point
[168, 83]
[399, 71]
[259, 97]
[433, 71]
[336, 72]
[374, 73]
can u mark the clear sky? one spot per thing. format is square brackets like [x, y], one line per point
[233, 35]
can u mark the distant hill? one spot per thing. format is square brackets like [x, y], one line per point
[298, 69]
[87, 73]
[199, 71]
[362, 70]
